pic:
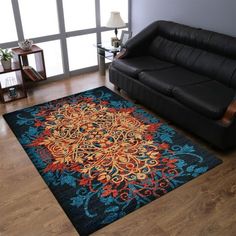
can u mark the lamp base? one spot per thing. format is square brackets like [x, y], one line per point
[115, 42]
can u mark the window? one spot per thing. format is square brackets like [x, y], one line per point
[8, 29]
[39, 18]
[113, 5]
[79, 14]
[52, 57]
[81, 51]
[70, 47]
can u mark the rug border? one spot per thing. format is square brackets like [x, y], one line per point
[38, 104]
[218, 161]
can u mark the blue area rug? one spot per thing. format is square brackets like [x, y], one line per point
[104, 157]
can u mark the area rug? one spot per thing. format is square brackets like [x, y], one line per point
[104, 157]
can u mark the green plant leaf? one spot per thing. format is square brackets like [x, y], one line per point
[5, 54]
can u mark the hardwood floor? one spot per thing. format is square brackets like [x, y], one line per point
[203, 206]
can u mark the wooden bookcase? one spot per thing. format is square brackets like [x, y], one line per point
[21, 73]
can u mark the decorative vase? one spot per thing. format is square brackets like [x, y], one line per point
[6, 64]
[26, 45]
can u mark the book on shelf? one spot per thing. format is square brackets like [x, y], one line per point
[32, 73]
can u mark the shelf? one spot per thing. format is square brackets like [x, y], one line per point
[32, 74]
[20, 52]
[108, 48]
[23, 72]
[20, 94]
[10, 82]
[14, 67]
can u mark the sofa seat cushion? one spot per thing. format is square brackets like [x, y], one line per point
[133, 66]
[209, 98]
[165, 80]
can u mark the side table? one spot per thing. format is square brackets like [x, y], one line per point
[105, 51]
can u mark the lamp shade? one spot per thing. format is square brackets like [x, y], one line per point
[115, 20]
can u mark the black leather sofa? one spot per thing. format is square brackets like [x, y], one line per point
[185, 74]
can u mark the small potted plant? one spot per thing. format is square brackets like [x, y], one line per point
[6, 57]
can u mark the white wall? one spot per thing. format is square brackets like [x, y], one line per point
[216, 15]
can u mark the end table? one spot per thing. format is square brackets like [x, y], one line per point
[105, 51]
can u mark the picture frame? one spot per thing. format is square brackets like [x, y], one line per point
[125, 35]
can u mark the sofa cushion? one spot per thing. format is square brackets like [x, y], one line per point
[133, 66]
[209, 98]
[165, 80]
[203, 62]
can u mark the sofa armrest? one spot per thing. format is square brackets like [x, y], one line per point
[230, 113]
[138, 44]
[121, 54]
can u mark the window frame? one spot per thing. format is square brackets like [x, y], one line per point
[63, 35]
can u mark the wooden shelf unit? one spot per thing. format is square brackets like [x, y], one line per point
[23, 73]
[16, 82]
[30, 73]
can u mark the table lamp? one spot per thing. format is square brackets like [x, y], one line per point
[115, 21]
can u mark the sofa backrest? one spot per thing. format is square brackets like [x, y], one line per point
[202, 51]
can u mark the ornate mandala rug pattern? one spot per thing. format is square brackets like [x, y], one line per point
[103, 157]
